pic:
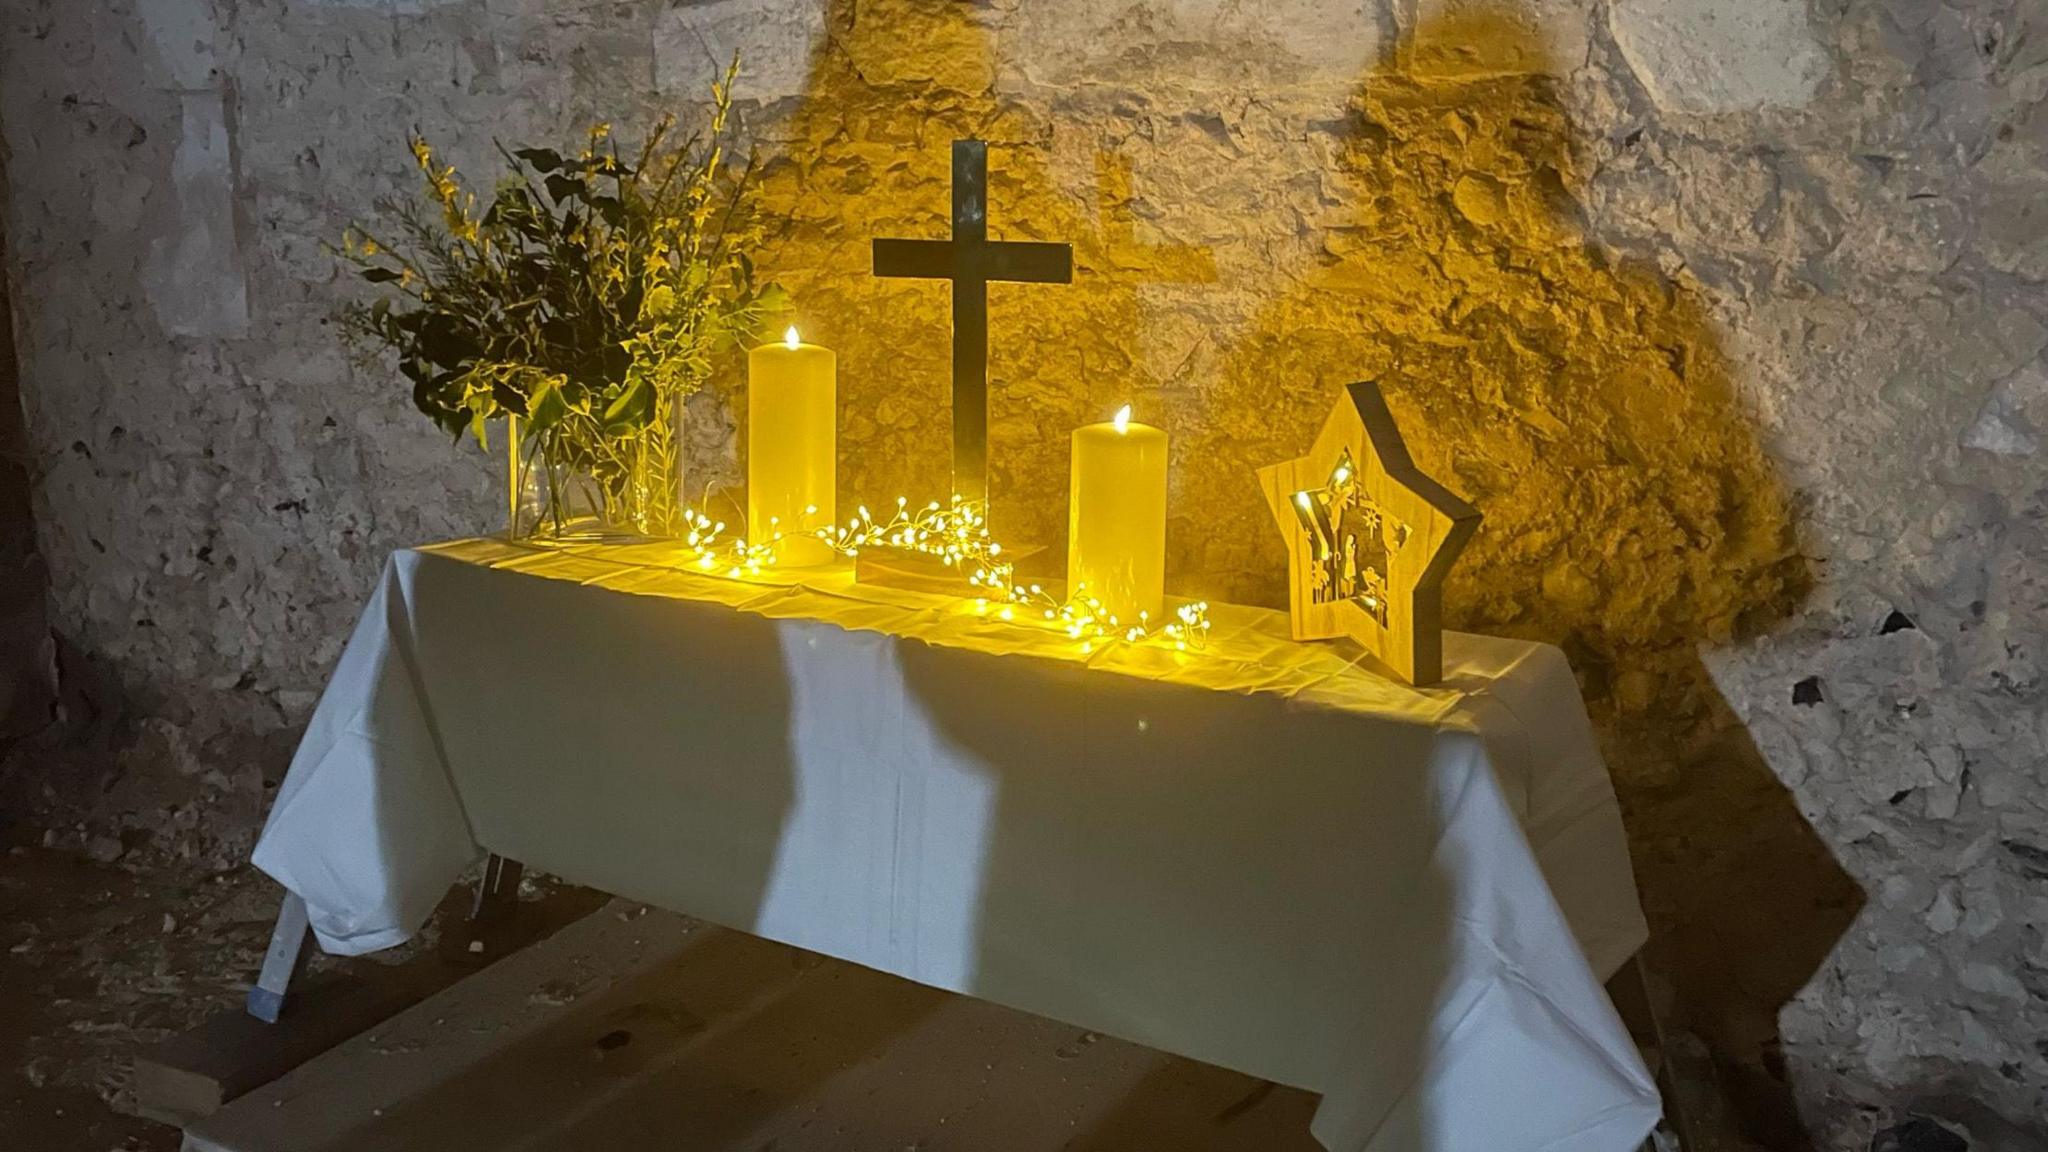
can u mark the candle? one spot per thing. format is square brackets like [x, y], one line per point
[1116, 527]
[792, 417]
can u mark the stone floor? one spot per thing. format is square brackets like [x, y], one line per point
[101, 960]
[96, 963]
[634, 1028]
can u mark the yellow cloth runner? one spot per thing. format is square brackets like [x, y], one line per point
[1247, 650]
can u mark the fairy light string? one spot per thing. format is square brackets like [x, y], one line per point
[957, 534]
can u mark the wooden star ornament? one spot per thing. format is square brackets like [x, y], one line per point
[1370, 538]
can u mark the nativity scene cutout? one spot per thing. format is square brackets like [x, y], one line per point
[1370, 538]
[1352, 539]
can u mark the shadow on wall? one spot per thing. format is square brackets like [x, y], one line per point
[1631, 516]
[26, 647]
[1580, 399]
[1631, 513]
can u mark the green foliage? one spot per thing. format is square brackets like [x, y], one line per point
[587, 298]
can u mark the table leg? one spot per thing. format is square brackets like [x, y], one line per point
[497, 894]
[282, 960]
[1630, 991]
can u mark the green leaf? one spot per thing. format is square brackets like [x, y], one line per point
[431, 398]
[561, 188]
[546, 406]
[632, 408]
[544, 160]
[507, 396]
[447, 341]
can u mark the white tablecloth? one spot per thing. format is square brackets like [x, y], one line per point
[1258, 855]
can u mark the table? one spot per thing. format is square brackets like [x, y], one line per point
[1261, 854]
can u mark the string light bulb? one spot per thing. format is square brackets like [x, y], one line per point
[958, 535]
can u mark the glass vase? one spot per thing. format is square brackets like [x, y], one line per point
[525, 500]
[543, 499]
[642, 497]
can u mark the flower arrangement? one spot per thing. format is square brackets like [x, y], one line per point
[580, 305]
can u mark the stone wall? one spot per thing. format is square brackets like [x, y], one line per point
[1731, 314]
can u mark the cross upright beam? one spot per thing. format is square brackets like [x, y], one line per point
[970, 260]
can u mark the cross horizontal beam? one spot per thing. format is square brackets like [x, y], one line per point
[1020, 261]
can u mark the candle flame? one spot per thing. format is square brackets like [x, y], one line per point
[1122, 419]
[789, 337]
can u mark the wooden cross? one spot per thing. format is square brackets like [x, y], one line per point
[970, 260]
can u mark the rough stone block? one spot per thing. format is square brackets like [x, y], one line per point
[1720, 55]
[774, 40]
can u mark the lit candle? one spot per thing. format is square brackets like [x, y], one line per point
[792, 417]
[1116, 527]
